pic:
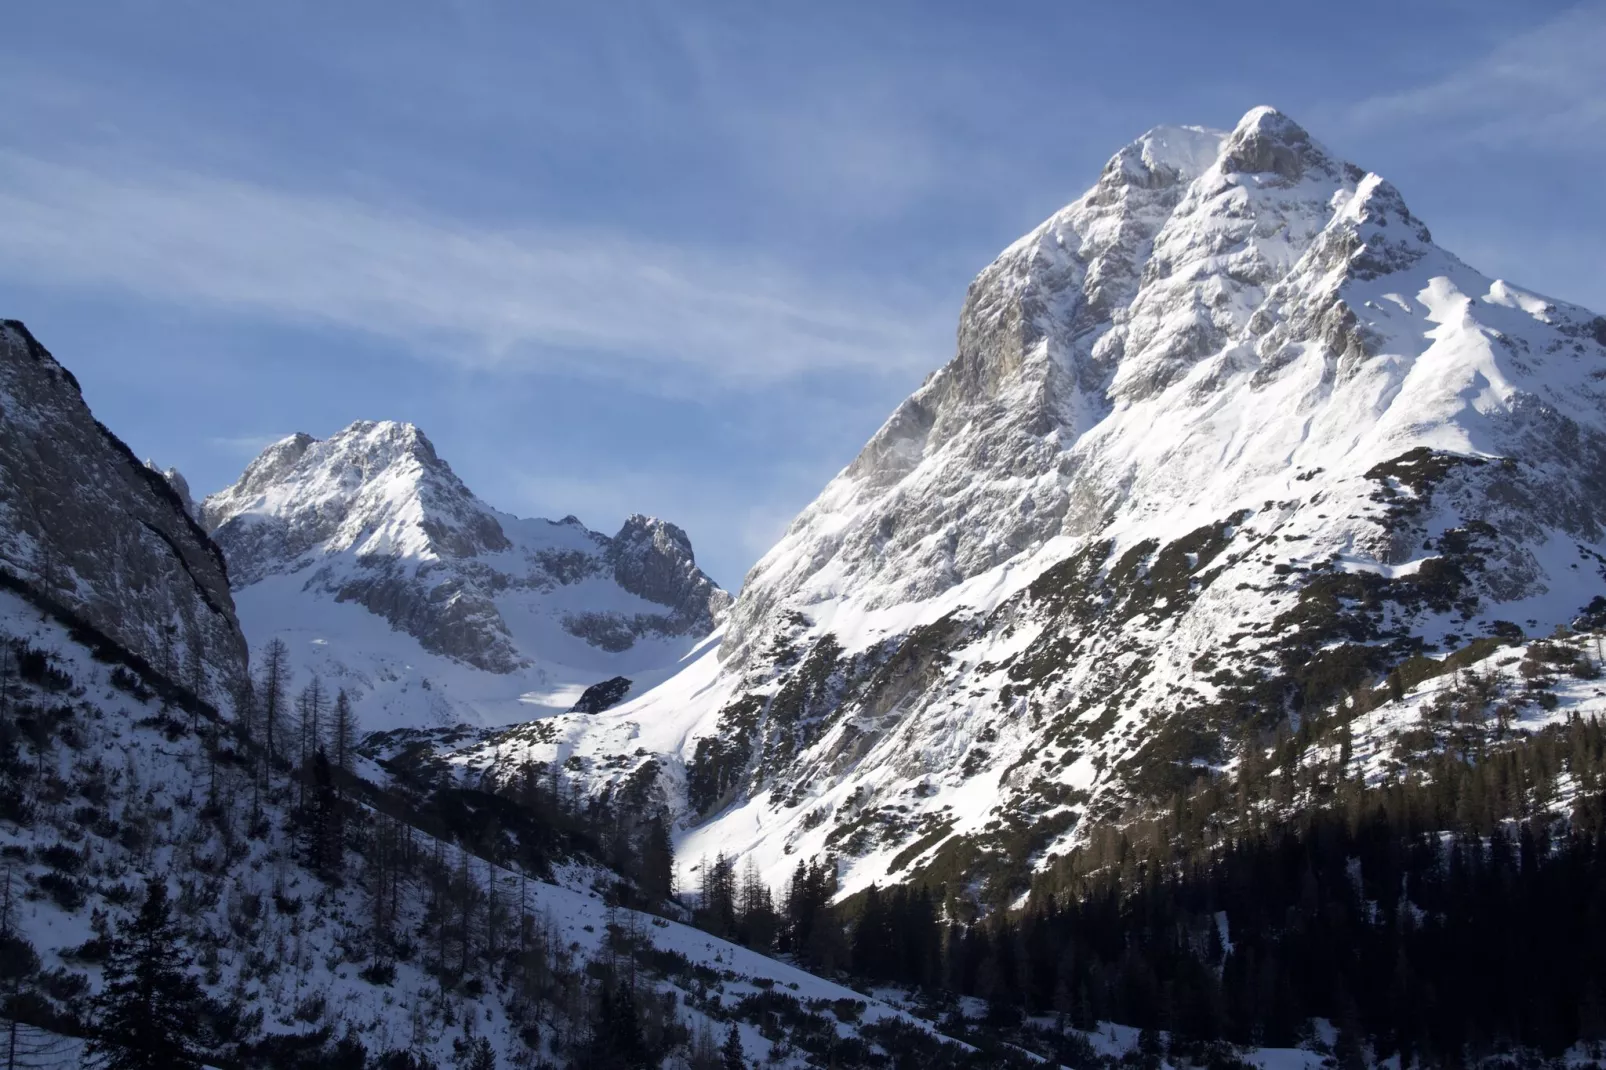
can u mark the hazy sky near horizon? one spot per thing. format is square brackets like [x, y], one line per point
[676, 258]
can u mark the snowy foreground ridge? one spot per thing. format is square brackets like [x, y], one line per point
[1227, 436]
[286, 943]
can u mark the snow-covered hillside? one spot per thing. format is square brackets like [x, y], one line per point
[1225, 439]
[326, 921]
[388, 577]
[117, 788]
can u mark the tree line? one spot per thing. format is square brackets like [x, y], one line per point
[1445, 915]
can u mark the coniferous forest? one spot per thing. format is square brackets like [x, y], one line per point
[1416, 917]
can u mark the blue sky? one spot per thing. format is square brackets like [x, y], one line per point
[676, 258]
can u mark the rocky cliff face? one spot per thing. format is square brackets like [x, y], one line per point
[1223, 442]
[86, 527]
[373, 517]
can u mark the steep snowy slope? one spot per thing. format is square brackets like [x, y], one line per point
[1224, 440]
[113, 790]
[386, 575]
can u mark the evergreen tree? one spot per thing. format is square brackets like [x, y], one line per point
[657, 863]
[343, 733]
[718, 906]
[758, 920]
[275, 678]
[731, 1055]
[246, 714]
[474, 1054]
[324, 820]
[310, 731]
[149, 1004]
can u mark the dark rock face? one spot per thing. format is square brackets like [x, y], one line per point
[653, 559]
[599, 697]
[86, 525]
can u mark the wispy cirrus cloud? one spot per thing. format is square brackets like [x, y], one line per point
[526, 297]
[1545, 85]
[243, 445]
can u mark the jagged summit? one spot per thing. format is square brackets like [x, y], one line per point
[1267, 142]
[180, 486]
[1140, 297]
[1163, 156]
[1225, 439]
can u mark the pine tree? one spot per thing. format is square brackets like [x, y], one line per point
[271, 695]
[149, 1004]
[310, 731]
[703, 1053]
[757, 906]
[325, 822]
[343, 733]
[731, 1055]
[719, 895]
[657, 864]
[245, 709]
[474, 1054]
[1347, 1051]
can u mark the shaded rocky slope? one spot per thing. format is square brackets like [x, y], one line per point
[88, 528]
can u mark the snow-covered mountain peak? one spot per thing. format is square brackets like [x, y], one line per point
[1222, 440]
[1159, 267]
[377, 488]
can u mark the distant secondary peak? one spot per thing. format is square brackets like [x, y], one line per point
[1384, 235]
[653, 558]
[275, 462]
[665, 538]
[176, 480]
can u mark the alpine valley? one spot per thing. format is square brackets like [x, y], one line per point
[1201, 667]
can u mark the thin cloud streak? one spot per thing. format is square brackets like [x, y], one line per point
[244, 445]
[1545, 86]
[592, 302]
